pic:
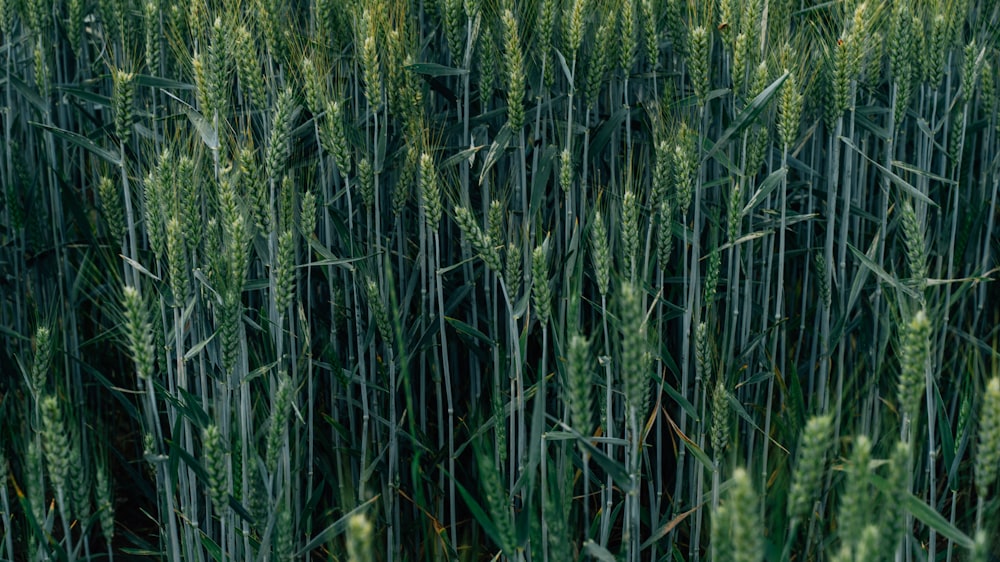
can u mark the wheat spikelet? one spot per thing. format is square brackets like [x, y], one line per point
[377, 304]
[577, 388]
[626, 21]
[480, 241]
[496, 501]
[856, 495]
[512, 273]
[55, 442]
[790, 110]
[279, 146]
[565, 170]
[913, 358]
[988, 454]
[720, 419]
[42, 363]
[712, 277]
[685, 165]
[541, 295]
[454, 29]
[177, 262]
[284, 541]
[735, 532]
[630, 233]
[600, 254]
[139, 332]
[284, 271]
[359, 539]
[215, 462]
[430, 193]
[573, 33]
[495, 221]
[280, 410]
[544, 30]
[635, 354]
[105, 505]
[698, 63]
[121, 101]
[366, 181]
[816, 441]
[600, 60]
[514, 68]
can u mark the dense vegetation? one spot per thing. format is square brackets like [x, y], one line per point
[543, 280]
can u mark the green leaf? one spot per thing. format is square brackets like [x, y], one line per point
[461, 156]
[435, 70]
[944, 430]
[186, 404]
[496, 150]
[667, 527]
[560, 436]
[139, 267]
[329, 258]
[862, 275]
[28, 93]
[745, 238]
[614, 469]
[380, 145]
[85, 95]
[597, 551]
[478, 512]
[189, 460]
[335, 528]
[238, 508]
[611, 126]
[691, 445]
[766, 187]
[469, 330]
[565, 68]
[83, 142]
[914, 170]
[732, 168]
[196, 348]
[158, 82]
[209, 134]
[540, 180]
[900, 182]
[211, 546]
[916, 507]
[881, 273]
[41, 534]
[681, 401]
[747, 116]
[737, 406]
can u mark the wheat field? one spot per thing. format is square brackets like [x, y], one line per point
[528, 280]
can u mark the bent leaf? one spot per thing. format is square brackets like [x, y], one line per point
[83, 142]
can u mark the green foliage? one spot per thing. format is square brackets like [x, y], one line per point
[666, 255]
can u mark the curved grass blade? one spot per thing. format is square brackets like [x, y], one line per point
[766, 187]
[916, 507]
[496, 150]
[617, 472]
[881, 273]
[747, 116]
[477, 511]
[83, 142]
[335, 528]
[599, 552]
[903, 184]
[434, 70]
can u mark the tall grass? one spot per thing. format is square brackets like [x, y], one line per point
[459, 280]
